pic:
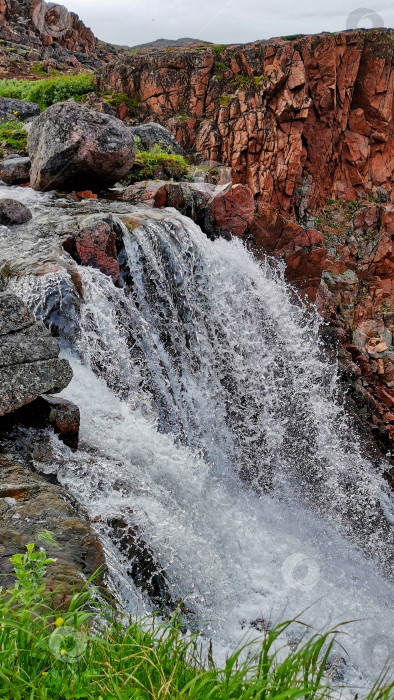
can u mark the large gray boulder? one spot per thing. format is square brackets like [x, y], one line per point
[152, 134]
[15, 171]
[11, 109]
[29, 362]
[72, 147]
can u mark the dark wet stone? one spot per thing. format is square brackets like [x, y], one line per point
[28, 345]
[145, 571]
[13, 314]
[29, 364]
[15, 171]
[63, 415]
[33, 510]
[13, 212]
[21, 384]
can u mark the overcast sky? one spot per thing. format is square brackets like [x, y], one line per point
[133, 22]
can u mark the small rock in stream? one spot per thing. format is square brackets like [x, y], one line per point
[13, 212]
[15, 171]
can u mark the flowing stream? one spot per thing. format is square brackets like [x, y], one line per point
[210, 426]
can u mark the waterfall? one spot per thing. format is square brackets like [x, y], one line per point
[210, 423]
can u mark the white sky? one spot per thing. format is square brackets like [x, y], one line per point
[133, 22]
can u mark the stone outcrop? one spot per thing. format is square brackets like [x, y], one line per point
[29, 362]
[35, 33]
[15, 171]
[13, 212]
[230, 211]
[94, 244]
[33, 510]
[301, 249]
[223, 210]
[151, 134]
[73, 147]
[297, 121]
[62, 415]
[11, 109]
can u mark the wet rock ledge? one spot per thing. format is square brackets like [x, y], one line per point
[29, 362]
[31, 509]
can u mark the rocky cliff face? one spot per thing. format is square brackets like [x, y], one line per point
[307, 125]
[298, 121]
[34, 31]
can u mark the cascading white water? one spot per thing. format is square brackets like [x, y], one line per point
[209, 422]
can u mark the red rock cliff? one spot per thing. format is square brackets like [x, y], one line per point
[298, 121]
[33, 30]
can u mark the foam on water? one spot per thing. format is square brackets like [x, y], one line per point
[25, 195]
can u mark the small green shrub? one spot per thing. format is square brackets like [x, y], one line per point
[224, 100]
[117, 98]
[243, 80]
[292, 37]
[38, 69]
[17, 89]
[49, 91]
[148, 163]
[13, 133]
[218, 48]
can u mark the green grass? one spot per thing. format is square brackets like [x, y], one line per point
[224, 100]
[118, 98]
[49, 91]
[83, 651]
[147, 164]
[218, 49]
[13, 133]
[292, 37]
[47, 537]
